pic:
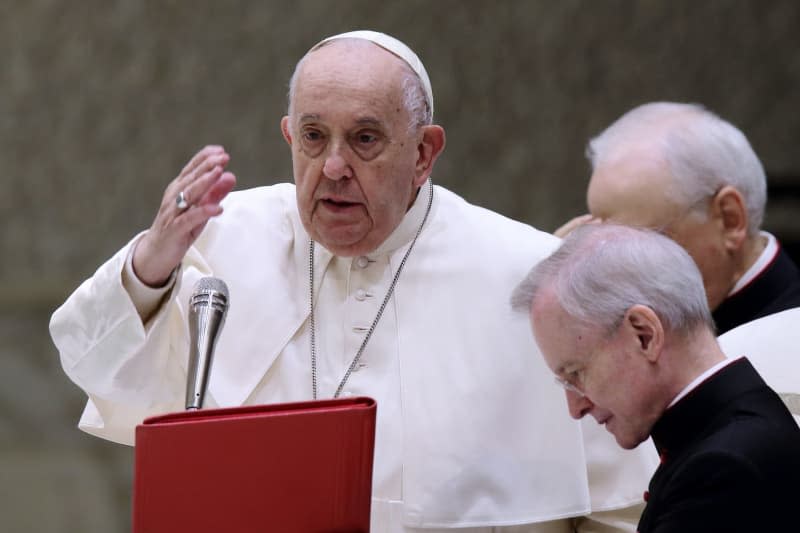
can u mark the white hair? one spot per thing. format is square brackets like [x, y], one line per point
[602, 270]
[703, 153]
[415, 98]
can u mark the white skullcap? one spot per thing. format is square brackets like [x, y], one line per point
[394, 46]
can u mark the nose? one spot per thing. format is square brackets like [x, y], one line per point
[336, 166]
[579, 405]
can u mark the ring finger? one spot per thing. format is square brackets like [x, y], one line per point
[195, 190]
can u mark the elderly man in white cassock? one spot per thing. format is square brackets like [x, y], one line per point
[362, 278]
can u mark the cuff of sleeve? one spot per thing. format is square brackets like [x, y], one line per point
[145, 298]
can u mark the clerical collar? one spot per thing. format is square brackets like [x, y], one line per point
[408, 227]
[763, 261]
[701, 378]
[402, 234]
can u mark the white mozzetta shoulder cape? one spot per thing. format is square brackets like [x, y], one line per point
[771, 344]
[487, 436]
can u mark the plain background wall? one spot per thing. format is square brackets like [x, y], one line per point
[102, 102]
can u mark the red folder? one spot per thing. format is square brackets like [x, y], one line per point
[296, 467]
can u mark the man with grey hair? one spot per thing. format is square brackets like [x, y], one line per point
[682, 170]
[364, 279]
[621, 318]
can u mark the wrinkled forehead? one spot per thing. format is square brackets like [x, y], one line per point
[561, 339]
[349, 79]
[392, 45]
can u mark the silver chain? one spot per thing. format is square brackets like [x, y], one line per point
[360, 351]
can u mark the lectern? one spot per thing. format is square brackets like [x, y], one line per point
[290, 468]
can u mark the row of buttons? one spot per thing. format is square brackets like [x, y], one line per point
[362, 262]
[360, 295]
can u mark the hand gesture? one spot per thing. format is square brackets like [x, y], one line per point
[189, 201]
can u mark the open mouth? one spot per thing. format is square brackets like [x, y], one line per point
[338, 204]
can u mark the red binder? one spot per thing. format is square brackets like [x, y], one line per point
[296, 467]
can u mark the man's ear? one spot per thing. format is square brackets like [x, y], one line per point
[429, 148]
[729, 208]
[646, 328]
[285, 130]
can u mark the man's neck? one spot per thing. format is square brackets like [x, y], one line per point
[693, 356]
[754, 247]
[751, 251]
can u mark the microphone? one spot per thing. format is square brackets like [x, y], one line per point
[207, 308]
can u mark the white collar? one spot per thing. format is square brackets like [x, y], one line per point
[408, 227]
[766, 257]
[701, 378]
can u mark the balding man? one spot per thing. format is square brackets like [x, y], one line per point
[682, 170]
[620, 315]
[362, 278]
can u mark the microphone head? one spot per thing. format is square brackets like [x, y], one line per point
[210, 291]
[211, 284]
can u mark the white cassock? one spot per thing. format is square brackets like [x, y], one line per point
[471, 430]
[772, 344]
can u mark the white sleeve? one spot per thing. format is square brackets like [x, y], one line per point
[129, 371]
[146, 299]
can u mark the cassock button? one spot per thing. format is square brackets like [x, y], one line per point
[646, 495]
[362, 262]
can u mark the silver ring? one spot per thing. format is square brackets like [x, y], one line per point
[181, 202]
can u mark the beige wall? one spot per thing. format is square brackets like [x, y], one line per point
[101, 102]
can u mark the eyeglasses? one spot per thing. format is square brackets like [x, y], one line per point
[568, 386]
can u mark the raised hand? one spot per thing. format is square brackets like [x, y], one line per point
[203, 183]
